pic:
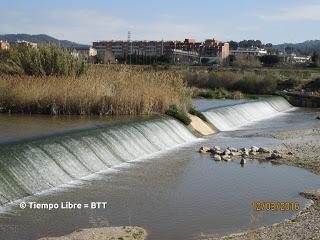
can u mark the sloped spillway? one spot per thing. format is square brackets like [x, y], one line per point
[34, 166]
[232, 117]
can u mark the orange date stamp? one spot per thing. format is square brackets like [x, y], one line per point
[276, 206]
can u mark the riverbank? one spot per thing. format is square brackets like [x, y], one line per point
[102, 90]
[106, 233]
[306, 224]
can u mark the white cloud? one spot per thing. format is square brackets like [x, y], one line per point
[86, 26]
[298, 13]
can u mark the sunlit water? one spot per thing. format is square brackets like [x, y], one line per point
[177, 193]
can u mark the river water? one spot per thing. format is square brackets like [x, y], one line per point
[169, 189]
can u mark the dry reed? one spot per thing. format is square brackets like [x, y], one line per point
[104, 90]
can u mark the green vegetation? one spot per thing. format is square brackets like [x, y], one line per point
[42, 61]
[314, 84]
[270, 60]
[246, 62]
[195, 112]
[178, 114]
[246, 82]
[316, 58]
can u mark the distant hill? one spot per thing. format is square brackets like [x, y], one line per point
[40, 38]
[307, 47]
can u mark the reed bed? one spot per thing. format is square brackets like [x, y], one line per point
[103, 90]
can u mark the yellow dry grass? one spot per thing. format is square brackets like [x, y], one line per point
[104, 90]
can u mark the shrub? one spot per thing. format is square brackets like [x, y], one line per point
[314, 84]
[179, 115]
[270, 60]
[246, 62]
[43, 61]
[195, 112]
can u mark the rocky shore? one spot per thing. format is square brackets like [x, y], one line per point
[306, 224]
[106, 233]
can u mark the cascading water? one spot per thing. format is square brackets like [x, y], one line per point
[34, 166]
[232, 117]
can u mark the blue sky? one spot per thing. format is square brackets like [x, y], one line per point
[83, 21]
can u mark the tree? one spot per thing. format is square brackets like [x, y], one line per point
[316, 58]
[270, 60]
[233, 45]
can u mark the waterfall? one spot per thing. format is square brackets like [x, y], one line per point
[38, 165]
[232, 117]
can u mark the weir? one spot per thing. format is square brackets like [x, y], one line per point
[232, 117]
[34, 166]
[38, 165]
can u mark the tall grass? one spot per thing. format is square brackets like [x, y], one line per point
[42, 61]
[251, 82]
[104, 90]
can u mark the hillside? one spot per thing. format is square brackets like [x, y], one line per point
[40, 38]
[307, 47]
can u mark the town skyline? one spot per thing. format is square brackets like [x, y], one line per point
[85, 22]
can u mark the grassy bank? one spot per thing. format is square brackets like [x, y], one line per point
[238, 83]
[104, 90]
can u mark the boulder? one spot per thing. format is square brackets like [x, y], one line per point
[204, 150]
[244, 149]
[234, 154]
[216, 148]
[232, 149]
[245, 154]
[318, 117]
[275, 156]
[226, 158]
[217, 157]
[254, 149]
[264, 150]
[243, 161]
[227, 152]
[252, 153]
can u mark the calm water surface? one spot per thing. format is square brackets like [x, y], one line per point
[178, 194]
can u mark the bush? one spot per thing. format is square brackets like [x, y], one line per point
[313, 85]
[43, 61]
[270, 60]
[179, 115]
[246, 62]
[195, 112]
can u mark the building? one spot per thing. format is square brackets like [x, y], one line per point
[4, 45]
[25, 44]
[83, 52]
[256, 52]
[188, 49]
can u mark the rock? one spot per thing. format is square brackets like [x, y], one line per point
[311, 194]
[290, 153]
[232, 149]
[318, 117]
[227, 152]
[217, 157]
[275, 156]
[264, 150]
[275, 151]
[234, 154]
[226, 158]
[245, 154]
[204, 150]
[243, 161]
[252, 153]
[244, 149]
[218, 152]
[216, 148]
[254, 149]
